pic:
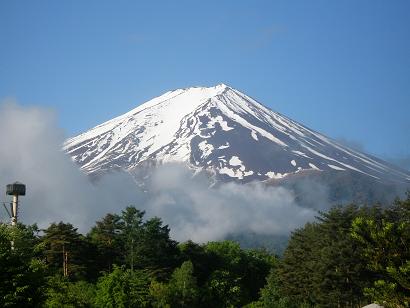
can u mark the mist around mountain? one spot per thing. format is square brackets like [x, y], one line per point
[58, 190]
[197, 201]
[225, 135]
[281, 215]
[260, 164]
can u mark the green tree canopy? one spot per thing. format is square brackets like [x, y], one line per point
[105, 236]
[127, 239]
[322, 265]
[22, 276]
[61, 292]
[386, 241]
[183, 287]
[124, 288]
[62, 238]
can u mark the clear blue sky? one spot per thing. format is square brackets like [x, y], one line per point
[339, 67]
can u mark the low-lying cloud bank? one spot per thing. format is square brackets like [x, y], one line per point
[199, 213]
[30, 152]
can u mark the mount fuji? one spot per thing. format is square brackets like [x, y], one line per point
[224, 132]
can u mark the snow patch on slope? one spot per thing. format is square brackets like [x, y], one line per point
[254, 135]
[206, 148]
[235, 161]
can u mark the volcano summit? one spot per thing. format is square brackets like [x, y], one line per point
[222, 131]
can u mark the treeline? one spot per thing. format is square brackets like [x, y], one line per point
[125, 261]
[351, 256]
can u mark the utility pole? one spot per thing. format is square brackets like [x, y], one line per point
[65, 262]
[132, 255]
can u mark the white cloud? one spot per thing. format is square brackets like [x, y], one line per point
[30, 152]
[30, 143]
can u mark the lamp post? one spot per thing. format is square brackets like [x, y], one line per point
[16, 189]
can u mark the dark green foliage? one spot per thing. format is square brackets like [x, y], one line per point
[105, 237]
[160, 294]
[63, 238]
[130, 233]
[270, 294]
[225, 289]
[123, 288]
[386, 241]
[259, 264]
[201, 260]
[221, 284]
[299, 264]
[63, 293]
[154, 248]
[127, 239]
[181, 290]
[21, 274]
[236, 275]
[323, 265]
[349, 257]
[226, 274]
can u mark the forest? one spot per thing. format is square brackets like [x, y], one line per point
[350, 256]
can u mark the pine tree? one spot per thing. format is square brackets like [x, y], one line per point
[105, 235]
[322, 265]
[64, 250]
[154, 248]
[386, 241]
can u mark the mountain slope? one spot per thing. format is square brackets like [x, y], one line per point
[223, 131]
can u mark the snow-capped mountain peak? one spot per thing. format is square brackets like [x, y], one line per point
[221, 130]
